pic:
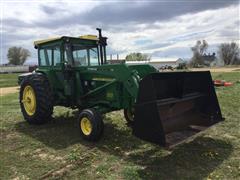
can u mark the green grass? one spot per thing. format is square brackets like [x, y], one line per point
[55, 150]
[8, 80]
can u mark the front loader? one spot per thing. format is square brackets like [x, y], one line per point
[163, 108]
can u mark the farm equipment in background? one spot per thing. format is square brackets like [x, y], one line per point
[166, 67]
[164, 108]
[222, 83]
[4, 69]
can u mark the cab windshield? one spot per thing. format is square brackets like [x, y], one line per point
[84, 55]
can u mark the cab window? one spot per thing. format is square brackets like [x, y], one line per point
[49, 56]
[80, 57]
[56, 56]
[85, 56]
[93, 56]
[45, 57]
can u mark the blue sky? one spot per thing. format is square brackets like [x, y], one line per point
[160, 28]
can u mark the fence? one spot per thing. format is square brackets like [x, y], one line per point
[16, 69]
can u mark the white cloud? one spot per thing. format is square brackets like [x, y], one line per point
[185, 30]
[25, 22]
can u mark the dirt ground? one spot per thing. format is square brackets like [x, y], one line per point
[8, 90]
[55, 150]
[216, 69]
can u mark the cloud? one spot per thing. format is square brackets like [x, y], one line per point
[49, 10]
[148, 12]
[165, 28]
[172, 52]
[14, 22]
[116, 14]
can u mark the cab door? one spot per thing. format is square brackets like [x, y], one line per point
[57, 67]
[50, 59]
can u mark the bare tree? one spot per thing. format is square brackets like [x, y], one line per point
[198, 50]
[17, 55]
[203, 47]
[138, 57]
[229, 53]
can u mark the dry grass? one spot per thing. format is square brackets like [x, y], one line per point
[56, 151]
[218, 69]
[8, 90]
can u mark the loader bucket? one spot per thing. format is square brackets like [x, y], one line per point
[173, 106]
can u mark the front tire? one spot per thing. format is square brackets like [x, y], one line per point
[91, 125]
[129, 116]
[36, 100]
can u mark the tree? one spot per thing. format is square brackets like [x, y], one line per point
[229, 53]
[17, 55]
[198, 50]
[138, 57]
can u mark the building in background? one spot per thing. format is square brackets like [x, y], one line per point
[16, 69]
[208, 59]
[164, 62]
[160, 62]
[211, 60]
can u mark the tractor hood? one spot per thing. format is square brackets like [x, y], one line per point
[143, 69]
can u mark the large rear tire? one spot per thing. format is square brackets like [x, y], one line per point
[91, 125]
[36, 100]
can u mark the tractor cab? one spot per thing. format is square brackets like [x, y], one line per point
[86, 50]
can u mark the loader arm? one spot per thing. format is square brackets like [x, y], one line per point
[112, 87]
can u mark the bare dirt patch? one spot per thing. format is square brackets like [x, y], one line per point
[8, 90]
[58, 173]
[220, 69]
[40, 153]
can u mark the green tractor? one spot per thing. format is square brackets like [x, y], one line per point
[163, 108]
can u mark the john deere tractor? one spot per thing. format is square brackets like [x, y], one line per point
[160, 107]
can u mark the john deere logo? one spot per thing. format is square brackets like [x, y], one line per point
[109, 95]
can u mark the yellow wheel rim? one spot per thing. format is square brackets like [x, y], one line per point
[86, 126]
[29, 100]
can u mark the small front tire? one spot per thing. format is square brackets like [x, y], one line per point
[91, 125]
[129, 116]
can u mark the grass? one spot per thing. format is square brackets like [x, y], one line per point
[55, 150]
[8, 80]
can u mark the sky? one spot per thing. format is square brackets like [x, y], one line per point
[163, 29]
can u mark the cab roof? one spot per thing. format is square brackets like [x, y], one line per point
[84, 37]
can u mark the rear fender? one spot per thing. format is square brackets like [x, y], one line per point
[22, 76]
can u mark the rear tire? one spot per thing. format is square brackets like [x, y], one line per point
[36, 100]
[91, 125]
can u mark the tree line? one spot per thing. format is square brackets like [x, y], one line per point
[227, 52]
